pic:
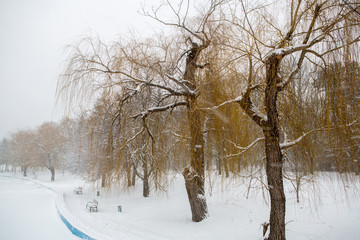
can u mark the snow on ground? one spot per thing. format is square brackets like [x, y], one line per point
[27, 211]
[327, 210]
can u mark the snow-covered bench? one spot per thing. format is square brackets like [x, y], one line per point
[78, 190]
[92, 206]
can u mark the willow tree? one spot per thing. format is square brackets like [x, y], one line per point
[50, 143]
[128, 69]
[303, 33]
[339, 87]
[22, 150]
[100, 140]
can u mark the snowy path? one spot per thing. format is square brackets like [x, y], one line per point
[27, 211]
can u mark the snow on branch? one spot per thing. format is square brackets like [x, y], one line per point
[235, 100]
[289, 50]
[148, 111]
[152, 84]
[287, 144]
[187, 90]
[247, 105]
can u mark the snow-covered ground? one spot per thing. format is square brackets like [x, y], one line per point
[328, 210]
[27, 211]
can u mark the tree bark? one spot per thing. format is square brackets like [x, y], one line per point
[195, 189]
[195, 174]
[128, 175]
[52, 170]
[275, 185]
[226, 168]
[274, 159]
[133, 180]
[146, 188]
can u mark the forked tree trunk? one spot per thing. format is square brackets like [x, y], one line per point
[195, 174]
[274, 159]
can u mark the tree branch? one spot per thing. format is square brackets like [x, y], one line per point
[244, 149]
[148, 111]
[286, 145]
[250, 109]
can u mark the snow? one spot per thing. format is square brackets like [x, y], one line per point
[327, 210]
[28, 212]
[289, 50]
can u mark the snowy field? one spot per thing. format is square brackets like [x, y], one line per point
[328, 210]
[27, 211]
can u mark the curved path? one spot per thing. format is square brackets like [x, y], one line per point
[28, 211]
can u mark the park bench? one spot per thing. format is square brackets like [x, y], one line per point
[92, 206]
[78, 190]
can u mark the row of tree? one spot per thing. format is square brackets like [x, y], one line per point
[239, 87]
[31, 149]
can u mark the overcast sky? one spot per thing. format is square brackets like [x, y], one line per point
[33, 35]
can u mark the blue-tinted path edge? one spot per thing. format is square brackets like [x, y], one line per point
[74, 230]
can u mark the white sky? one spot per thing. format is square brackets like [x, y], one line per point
[33, 35]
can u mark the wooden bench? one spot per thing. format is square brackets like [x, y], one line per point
[92, 206]
[78, 190]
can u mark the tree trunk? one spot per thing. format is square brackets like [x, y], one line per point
[146, 188]
[219, 164]
[133, 180]
[52, 170]
[357, 170]
[128, 173]
[226, 168]
[103, 180]
[24, 169]
[298, 190]
[195, 189]
[274, 160]
[275, 185]
[195, 175]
